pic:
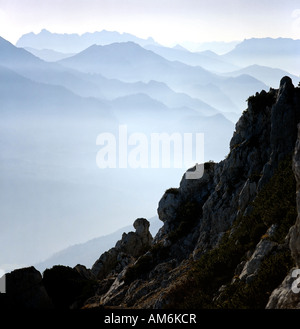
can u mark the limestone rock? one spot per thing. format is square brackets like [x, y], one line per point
[246, 195]
[116, 293]
[181, 209]
[132, 245]
[263, 248]
[167, 207]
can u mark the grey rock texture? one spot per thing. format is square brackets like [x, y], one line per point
[132, 245]
[263, 248]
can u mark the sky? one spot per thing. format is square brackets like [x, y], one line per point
[168, 21]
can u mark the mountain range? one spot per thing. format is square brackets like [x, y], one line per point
[276, 53]
[131, 63]
[264, 73]
[50, 118]
[282, 53]
[74, 43]
[207, 60]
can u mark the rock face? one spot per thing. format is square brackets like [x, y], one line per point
[203, 215]
[263, 248]
[132, 245]
[284, 296]
[295, 230]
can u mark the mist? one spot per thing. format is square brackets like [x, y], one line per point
[53, 193]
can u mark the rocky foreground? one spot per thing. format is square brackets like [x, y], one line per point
[230, 239]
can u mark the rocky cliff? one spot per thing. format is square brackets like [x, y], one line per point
[230, 239]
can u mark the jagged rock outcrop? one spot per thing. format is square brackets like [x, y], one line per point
[132, 245]
[201, 213]
[264, 135]
[208, 220]
[237, 178]
[180, 210]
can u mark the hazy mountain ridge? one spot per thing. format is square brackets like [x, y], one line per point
[33, 68]
[48, 55]
[164, 51]
[280, 53]
[130, 62]
[50, 118]
[33, 96]
[74, 43]
[83, 84]
[268, 75]
[218, 47]
[208, 61]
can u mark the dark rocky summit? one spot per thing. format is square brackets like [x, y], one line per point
[230, 239]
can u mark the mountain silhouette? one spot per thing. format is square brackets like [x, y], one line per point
[207, 61]
[73, 43]
[265, 74]
[131, 63]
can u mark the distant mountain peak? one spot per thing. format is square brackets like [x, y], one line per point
[268, 44]
[281, 53]
[179, 47]
[45, 31]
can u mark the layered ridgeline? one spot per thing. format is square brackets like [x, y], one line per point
[229, 239]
